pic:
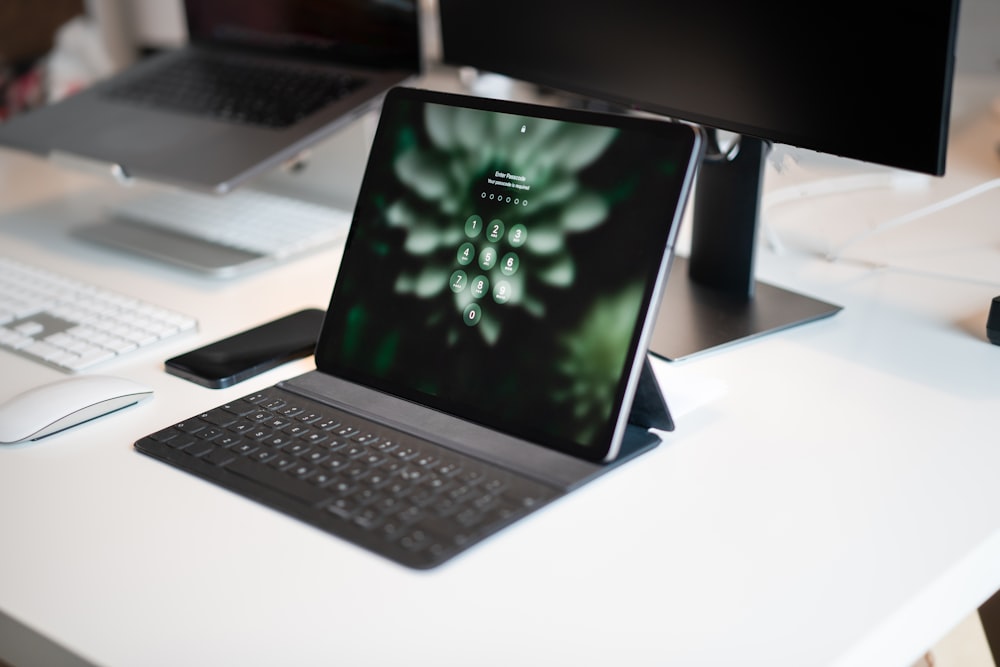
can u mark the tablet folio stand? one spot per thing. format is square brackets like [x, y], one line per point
[649, 410]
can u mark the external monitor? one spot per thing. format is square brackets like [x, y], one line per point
[869, 80]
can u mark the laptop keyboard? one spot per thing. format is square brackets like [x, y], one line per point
[256, 222]
[272, 95]
[73, 325]
[405, 498]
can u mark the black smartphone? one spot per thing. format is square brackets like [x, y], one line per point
[249, 353]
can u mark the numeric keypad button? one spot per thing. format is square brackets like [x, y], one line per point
[480, 286]
[518, 236]
[494, 232]
[487, 259]
[466, 253]
[458, 281]
[473, 226]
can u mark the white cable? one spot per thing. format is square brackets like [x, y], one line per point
[898, 221]
[838, 185]
[877, 267]
[896, 180]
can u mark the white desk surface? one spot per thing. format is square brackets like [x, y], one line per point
[836, 502]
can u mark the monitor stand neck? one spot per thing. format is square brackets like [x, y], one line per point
[711, 298]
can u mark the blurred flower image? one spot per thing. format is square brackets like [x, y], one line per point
[449, 179]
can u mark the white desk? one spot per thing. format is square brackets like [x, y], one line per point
[837, 504]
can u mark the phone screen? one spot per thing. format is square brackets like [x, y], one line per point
[249, 353]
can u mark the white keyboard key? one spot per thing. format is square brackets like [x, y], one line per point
[14, 340]
[29, 328]
[91, 359]
[41, 349]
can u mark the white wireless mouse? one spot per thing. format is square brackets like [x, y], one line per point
[62, 404]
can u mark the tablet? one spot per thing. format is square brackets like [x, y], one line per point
[505, 261]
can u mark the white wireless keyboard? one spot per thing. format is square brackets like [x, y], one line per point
[249, 220]
[72, 325]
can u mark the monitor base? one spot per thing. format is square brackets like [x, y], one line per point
[693, 318]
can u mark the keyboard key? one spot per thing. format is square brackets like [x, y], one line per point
[321, 478]
[469, 517]
[190, 426]
[259, 433]
[279, 423]
[199, 448]
[298, 448]
[219, 456]
[218, 417]
[315, 456]
[406, 453]
[385, 445]
[336, 462]
[347, 431]
[283, 461]
[315, 438]
[444, 506]
[422, 497]
[245, 448]
[343, 507]
[180, 442]
[369, 518]
[301, 470]
[279, 440]
[354, 451]
[166, 434]
[228, 440]
[414, 540]
[210, 433]
[264, 454]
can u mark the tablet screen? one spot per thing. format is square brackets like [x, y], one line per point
[502, 260]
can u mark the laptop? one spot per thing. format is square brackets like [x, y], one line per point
[484, 349]
[207, 116]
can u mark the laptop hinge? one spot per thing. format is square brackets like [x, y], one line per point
[91, 165]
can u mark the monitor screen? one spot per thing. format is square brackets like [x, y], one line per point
[863, 79]
[367, 32]
[869, 80]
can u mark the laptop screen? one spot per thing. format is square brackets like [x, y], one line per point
[502, 260]
[375, 33]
